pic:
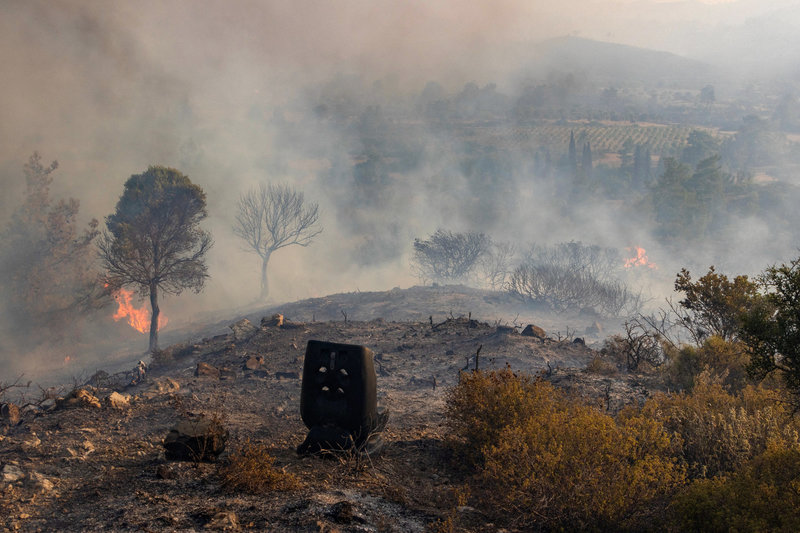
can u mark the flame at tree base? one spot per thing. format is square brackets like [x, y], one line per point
[640, 259]
[138, 319]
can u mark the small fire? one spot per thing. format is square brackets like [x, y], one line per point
[640, 259]
[138, 319]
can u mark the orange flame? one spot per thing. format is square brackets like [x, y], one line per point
[138, 319]
[640, 259]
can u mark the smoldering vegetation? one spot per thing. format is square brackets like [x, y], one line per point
[535, 143]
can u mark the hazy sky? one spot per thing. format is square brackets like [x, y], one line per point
[108, 88]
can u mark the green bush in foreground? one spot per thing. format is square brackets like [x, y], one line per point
[551, 462]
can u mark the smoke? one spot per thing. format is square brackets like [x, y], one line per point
[230, 94]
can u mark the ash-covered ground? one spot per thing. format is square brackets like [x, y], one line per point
[85, 466]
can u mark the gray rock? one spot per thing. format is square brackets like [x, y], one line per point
[12, 473]
[243, 330]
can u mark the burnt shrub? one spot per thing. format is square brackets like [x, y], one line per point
[573, 275]
[551, 462]
[252, 469]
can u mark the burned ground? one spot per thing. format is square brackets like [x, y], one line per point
[87, 468]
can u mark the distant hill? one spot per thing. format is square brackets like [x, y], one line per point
[614, 64]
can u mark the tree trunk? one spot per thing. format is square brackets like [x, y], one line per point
[264, 281]
[154, 317]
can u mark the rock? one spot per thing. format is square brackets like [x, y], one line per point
[243, 330]
[275, 321]
[10, 414]
[40, 482]
[12, 473]
[78, 398]
[116, 400]
[532, 330]
[287, 375]
[87, 446]
[199, 439]
[254, 363]
[344, 512]
[30, 442]
[204, 369]
[225, 520]
[596, 329]
[165, 472]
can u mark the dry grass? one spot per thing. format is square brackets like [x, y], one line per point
[252, 469]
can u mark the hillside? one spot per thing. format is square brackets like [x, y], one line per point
[96, 467]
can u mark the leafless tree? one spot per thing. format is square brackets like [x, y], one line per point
[274, 216]
[573, 275]
[448, 256]
[496, 263]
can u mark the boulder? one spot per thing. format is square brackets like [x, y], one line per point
[116, 400]
[532, 330]
[243, 330]
[275, 321]
[197, 439]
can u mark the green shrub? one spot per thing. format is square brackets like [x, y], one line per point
[552, 462]
[763, 496]
[726, 359]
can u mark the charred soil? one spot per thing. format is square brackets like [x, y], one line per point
[80, 467]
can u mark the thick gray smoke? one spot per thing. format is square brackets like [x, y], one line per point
[230, 93]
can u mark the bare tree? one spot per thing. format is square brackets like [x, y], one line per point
[449, 256]
[573, 275]
[496, 263]
[272, 217]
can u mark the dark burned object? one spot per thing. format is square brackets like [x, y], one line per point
[338, 401]
[199, 439]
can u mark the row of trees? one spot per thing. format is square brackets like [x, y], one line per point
[569, 275]
[153, 243]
